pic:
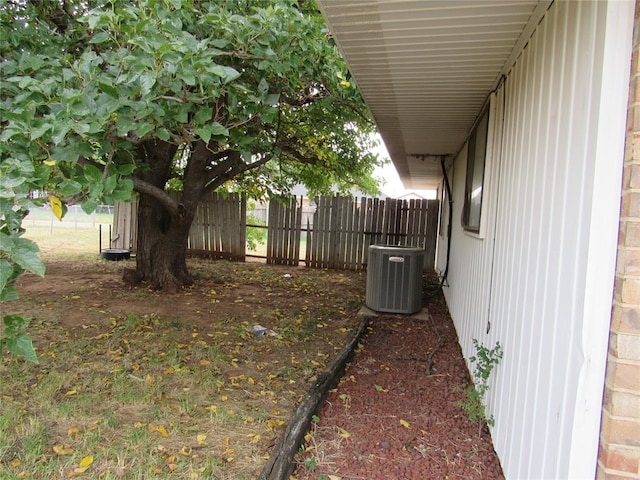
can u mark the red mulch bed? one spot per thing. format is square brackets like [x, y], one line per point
[396, 414]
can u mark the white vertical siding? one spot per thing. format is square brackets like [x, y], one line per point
[543, 211]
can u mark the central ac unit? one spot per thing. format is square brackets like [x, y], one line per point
[394, 279]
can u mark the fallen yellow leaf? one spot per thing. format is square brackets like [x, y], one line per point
[405, 424]
[162, 431]
[201, 438]
[86, 461]
[76, 472]
[62, 450]
[15, 463]
[49, 163]
[343, 433]
[71, 392]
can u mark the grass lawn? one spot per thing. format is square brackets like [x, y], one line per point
[133, 384]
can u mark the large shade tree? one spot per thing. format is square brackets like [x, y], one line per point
[103, 98]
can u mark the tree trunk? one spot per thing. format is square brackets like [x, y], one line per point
[163, 224]
[162, 246]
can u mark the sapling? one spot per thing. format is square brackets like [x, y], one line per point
[484, 362]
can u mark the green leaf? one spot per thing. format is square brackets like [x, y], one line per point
[219, 130]
[126, 169]
[67, 153]
[22, 346]
[204, 133]
[163, 134]
[124, 191]
[272, 99]
[14, 324]
[108, 89]
[9, 293]
[6, 242]
[231, 74]
[89, 206]
[124, 125]
[212, 130]
[145, 129]
[203, 116]
[188, 77]
[100, 37]
[147, 81]
[11, 181]
[6, 271]
[92, 173]
[40, 131]
[110, 183]
[24, 253]
[68, 188]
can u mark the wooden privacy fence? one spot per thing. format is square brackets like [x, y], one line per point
[337, 236]
[283, 232]
[344, 228]
[219, 227]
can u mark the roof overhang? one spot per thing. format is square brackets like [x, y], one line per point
[427, 67]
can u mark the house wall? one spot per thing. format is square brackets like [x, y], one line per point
[539, 277]
[620, 435]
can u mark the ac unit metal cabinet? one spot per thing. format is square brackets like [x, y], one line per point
[394, 279]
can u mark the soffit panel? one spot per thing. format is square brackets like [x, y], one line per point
[425, 69]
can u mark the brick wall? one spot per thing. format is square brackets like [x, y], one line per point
[619, 456]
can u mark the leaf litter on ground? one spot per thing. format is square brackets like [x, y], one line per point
[166, 386]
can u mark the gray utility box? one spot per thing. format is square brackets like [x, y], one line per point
[394, 279]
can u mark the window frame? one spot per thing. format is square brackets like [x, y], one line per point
[472, 210]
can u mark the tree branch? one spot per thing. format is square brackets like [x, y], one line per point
[232, 171]
[168, 202]
[286, 148]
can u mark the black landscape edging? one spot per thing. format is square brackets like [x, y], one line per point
[281, 462]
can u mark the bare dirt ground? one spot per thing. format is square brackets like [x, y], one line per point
[393, 416]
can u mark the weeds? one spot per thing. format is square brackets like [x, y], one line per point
[484, 361]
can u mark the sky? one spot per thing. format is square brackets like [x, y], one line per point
[393, 186]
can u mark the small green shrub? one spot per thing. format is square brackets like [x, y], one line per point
[484, 362]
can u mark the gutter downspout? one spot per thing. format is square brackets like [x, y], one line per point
[450, 202]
